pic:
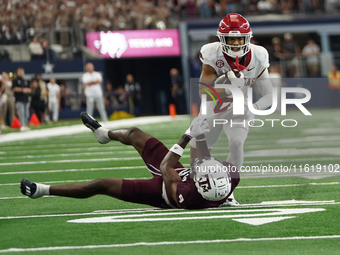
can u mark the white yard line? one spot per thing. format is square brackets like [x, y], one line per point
[261, 205]
[58, 248]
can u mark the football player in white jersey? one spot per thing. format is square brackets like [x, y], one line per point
[233, 54]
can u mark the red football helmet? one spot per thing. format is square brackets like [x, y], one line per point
[234, 25]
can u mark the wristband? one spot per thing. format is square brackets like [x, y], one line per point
[178, 150]
[186, 138]
[188, 133]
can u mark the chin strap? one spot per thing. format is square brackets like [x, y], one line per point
[239, 66]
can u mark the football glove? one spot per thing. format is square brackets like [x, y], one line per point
[199, 126]
[239, 82]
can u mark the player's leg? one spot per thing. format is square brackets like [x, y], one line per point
[89, 105]
[55, 111]
[236, 137]
[101, 108]
[129, 136]
[147, 192]
[109, 186]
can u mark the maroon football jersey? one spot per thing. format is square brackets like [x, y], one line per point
[189, 198]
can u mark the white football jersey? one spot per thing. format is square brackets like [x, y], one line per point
[256, 61]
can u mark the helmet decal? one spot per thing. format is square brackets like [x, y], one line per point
[211, 178]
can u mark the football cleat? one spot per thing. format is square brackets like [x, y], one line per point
[28, 188]
[100, 133]
[231, 202]
[89, 121]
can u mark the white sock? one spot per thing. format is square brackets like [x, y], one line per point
[42, 190]
[102, 135]
[231, 195]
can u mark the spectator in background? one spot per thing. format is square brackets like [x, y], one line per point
[206, 8]
[177, 90]
[65, 100]
[133, 89]
[176, 10]
[334, 86]
[48, 52]
[266, 6]
[121, 97]
[332, 6]
[231, 6]
[53, 98]
[275, 52]
[92, 81]
[190, 8]
[43, 97]
[109, 95]
[7, 100]
[291, 51]
[35, 98]
[22, 91]
[35, 49]
[312, 51]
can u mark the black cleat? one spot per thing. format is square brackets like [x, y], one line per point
[89, 121]
[27, 187]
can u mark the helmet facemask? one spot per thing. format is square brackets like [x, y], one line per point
[229, 49]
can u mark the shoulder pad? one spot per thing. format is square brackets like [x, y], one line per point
[208, 51]
[262, 55]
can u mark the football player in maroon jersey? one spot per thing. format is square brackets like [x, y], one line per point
[208, 183]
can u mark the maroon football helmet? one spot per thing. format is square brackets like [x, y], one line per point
[234, 25]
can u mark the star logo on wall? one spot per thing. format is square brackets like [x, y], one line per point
[48, 67]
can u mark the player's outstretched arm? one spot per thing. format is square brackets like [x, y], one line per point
[198, 127]
[167, 167]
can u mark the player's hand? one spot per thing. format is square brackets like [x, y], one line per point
[236, 81]
[199, 126]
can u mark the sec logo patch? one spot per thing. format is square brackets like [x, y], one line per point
[219, 63]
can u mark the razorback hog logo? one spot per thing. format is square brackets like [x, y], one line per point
[114, 44]
[219, 63]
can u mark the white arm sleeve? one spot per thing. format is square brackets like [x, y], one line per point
[265, 87]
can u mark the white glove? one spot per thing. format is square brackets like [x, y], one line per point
[199, 126]
[239, 82]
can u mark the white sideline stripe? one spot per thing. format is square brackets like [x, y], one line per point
[75, 129]
[75, 170]
[56, 248]
[119, 211]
